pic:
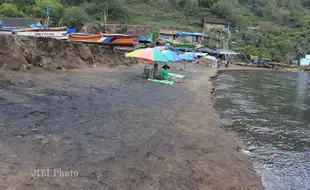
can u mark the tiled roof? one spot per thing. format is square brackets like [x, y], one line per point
[169, 32]
[215, 20]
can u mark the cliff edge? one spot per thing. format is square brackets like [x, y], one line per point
[26, 53]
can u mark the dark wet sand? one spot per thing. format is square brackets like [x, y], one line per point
[118, 131]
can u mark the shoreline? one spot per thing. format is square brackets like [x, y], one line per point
[128, 133]
[242, 135]
[233, 135]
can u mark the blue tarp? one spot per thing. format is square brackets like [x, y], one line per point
[70, 31]
[1, 23]
[36, 26]
[226, 31]
[179, 33]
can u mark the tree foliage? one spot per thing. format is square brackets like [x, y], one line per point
[75, 17]
[10, 10]
[281, 26]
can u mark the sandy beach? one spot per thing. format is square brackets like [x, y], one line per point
[117, 131]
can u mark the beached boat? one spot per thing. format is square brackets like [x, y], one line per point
[57, 33]
[106, 39]
[7, 30]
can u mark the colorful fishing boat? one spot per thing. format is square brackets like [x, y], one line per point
[116, 40]
[6, 30]
[57, 33]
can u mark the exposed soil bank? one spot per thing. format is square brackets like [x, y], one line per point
[28, 53]
[118, 131]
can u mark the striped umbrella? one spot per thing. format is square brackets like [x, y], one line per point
[148, 54]
[171, 56]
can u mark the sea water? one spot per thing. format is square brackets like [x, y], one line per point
[268, 112]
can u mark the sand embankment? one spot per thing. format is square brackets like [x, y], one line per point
[118, 131]
[112, 127]
[28, 53]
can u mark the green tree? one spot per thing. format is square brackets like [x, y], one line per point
[75, 17]
[233, 11]
[117, 11]
[190, 7]
[10, 10]
[207, 3]
[34, 11]
[56, 10]
[95, 10]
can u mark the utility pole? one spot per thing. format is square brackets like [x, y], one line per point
[48, 20]
[107, 14]
[47, 12]
[105, 17]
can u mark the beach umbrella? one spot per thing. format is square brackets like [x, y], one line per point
[171, 56]
[195, 54]
[148, 54]
[226, 52]
[187, 57]
[209, 57]
[161, 48]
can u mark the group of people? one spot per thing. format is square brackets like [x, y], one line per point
[162, 74]
[156, 73]
[220, 62]
[223, 62]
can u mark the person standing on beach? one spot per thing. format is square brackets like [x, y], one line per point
[197, 61]
[219, 63]
[227, 63]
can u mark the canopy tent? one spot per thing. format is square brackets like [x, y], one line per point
[226, 52]
[193, 54]
[180, 33]
[208, 57]
[205, 50]
[198, 54]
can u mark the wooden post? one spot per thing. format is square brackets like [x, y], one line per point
[48, 18]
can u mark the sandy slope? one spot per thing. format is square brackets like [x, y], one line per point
[118, 131]
[28, 53]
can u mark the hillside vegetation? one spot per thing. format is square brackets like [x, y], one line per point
[279, 28]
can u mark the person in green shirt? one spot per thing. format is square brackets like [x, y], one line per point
[165, 75]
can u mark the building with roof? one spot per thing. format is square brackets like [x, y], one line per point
[168, 35]
[19, 22]
[210, 23]
[181, 36]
